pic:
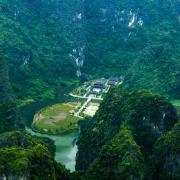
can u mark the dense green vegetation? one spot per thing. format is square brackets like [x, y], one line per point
[36, 41]
[164, 161]
[9, 119]
[24, 156]
[24, 140]
[129, 137]
[34, 163]
[148, 115]
[42, 39]
[144, 116]
[121, 158]
[137, 39]
[43, 46]
[21, 155]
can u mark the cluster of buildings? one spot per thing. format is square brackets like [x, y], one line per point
[99, 87]
[113, 81]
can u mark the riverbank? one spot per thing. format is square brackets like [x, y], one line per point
[65, 148]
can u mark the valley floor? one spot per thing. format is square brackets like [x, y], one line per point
[63, 117]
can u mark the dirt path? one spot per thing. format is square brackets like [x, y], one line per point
[83, 106]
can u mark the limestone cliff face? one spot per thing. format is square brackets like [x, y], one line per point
[149, 116]
[43, 43]
[23, 156]
[165, 159]
[135, 39]
[52, 42]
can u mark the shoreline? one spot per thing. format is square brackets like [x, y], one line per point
[51, 134]
[66, 148]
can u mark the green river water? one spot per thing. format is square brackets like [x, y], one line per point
[65, 150]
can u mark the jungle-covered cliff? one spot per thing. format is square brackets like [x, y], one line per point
[126, 138]
[25, 157]
[36, 40]
[50, 44]
[137, 39]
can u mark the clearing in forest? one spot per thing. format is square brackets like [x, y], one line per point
[56, 119]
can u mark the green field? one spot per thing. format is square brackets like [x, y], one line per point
[56, 119]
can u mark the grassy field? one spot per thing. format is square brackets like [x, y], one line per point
[56, 119]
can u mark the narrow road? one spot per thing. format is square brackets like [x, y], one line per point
[89, 99]
[87, 91]
[83, 106]
[76, 96]
[82, 97]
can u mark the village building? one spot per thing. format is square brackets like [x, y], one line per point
[94, 94]
[98, 85]
[97, 88]
[113, 81]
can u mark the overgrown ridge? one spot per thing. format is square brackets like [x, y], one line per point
[137, 39]
[37, 39]
[148, 117]
[135, 135]
[50, 44]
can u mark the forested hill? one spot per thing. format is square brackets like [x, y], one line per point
[136, 38]
[132, 136]
[9, 119]
[49, 44]
[36, 39]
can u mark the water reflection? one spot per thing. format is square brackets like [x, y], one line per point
[65, 150]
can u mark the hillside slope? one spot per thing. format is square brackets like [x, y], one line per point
[37, 38]
[48, 44]
[147, 115]
[132, 136]
[137, 39]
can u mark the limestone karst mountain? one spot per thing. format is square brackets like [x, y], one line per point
[49, 44]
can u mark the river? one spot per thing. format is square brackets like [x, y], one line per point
[65, 150]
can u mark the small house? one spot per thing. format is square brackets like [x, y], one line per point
[113, 81]
[98, 85]
[94, 93]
